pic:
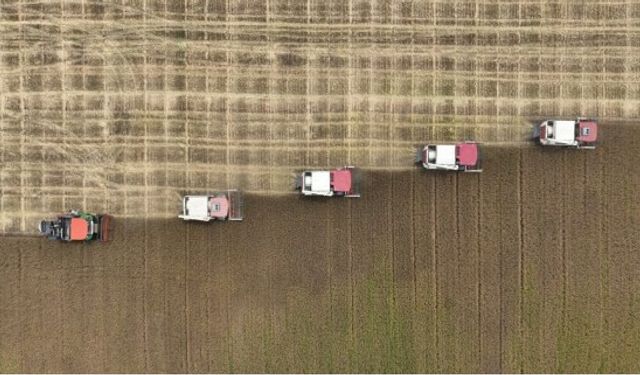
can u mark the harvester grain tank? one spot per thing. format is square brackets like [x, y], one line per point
[340, 182]
[223, 205]
[464, 157]
[579, 133]
[77, 226]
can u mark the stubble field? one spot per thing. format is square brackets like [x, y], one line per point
[531, 266]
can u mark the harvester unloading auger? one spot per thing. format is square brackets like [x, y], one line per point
[77, 226]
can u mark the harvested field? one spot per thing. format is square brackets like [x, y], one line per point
[426, 272]
[531, 266]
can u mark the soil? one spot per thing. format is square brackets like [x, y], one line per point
[523, 267]
[123, 107]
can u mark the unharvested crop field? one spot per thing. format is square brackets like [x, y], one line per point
[533, 265]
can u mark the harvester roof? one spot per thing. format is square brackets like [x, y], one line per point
[342, 180]
[446, 154]
[219, 206]
[78, 229]
[468, 154]
[588, 131]
[197, 206]
[564, 130]
[321, 181]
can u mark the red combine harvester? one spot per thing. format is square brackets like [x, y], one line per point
[77, 226]
[340, 182]
[579, 133]
[463, 157]
[225, 205]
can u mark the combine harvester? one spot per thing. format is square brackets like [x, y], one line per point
[581, 133]
[463, 157]
[226, 205]
[77, 226]
[340, 182]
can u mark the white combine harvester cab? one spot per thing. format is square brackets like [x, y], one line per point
[317, 183]
[341, 182]
[228, 205]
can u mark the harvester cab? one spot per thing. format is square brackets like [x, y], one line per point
[463, 157]
[340, 182]
[226, 205]
[77, 226]
[579, 133]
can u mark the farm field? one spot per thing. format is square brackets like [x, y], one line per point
[515, 269]
[124, 106]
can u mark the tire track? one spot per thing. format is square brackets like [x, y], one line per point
[522, 267]
[543, 300]
[466, 287]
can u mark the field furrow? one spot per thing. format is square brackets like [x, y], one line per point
[543, 217]
[165, 294]
[338, 347]
[197, 279]
[621, 274]
[500, 268]
[446, 234]
[375, 315]
[467, 271]
[425, 265]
